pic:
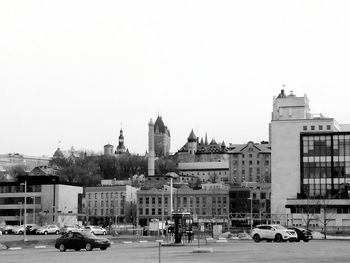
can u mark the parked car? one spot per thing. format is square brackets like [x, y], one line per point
[6, 229]
[80, 240]
[31, 229]
[70, 228]
[97, 230]
[18, 230]
[275, 233]
[302, 233]
[48, 229]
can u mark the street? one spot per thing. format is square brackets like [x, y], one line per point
[234, 251]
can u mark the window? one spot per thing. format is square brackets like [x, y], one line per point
[312, 127]
[250, 162]
[305, 128]
[153, 211]
[320, 127]
[250, 155]
[257, 162]
[267, 162]
[242, 162]
[262, 195]
[153, 200]
[328, 127]
[243, 171]
[242, 155]
[147, 200]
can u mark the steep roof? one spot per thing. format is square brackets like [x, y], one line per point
[192, 137]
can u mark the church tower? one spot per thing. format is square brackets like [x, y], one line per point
[120, 148]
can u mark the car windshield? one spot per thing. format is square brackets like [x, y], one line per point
[88, 235]
[279, 227]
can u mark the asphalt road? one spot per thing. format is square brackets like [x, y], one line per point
[236, 251]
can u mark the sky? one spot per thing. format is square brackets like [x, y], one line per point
[75, 71]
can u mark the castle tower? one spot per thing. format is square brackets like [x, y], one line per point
[192, 143]
[108, 149]
[161, 138]
[151, 154]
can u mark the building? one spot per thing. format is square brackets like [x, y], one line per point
[120, 149]
[250, 162]
[110, 204]
[250, 202]
[205, 205]
[48, 201]
[206, 171]
[307, 164]
[196, 150]
[161, 138]
[28, 162]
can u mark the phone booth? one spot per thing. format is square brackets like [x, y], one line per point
[182, 225]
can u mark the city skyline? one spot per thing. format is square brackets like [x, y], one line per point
[72, 72]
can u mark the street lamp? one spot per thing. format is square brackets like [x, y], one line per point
[251, 211]
[25, 210]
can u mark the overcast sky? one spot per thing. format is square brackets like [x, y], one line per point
[73, 71]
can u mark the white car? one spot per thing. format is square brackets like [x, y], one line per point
[275, 233]
[97, 230]
[48, 229]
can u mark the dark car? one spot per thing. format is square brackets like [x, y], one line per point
[302, 233]
[31, 229]
[80, 240]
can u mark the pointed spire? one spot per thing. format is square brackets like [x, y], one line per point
[206, 139]
[192, 137]
[202, 142]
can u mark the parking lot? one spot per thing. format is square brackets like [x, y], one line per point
[233, 251]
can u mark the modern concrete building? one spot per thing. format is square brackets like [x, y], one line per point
[47, 201]
[297, 177]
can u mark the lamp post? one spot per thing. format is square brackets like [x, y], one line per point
[20, 213]
[25, 210]
[251, 211]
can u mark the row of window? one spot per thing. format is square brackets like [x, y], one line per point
[155, 211]
[19, 188]
[106, 212]
[251, 170]
[250, 162]
[320, 127]
[106, 195]
[102, 204]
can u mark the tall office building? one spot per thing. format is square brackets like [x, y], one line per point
[303, 166]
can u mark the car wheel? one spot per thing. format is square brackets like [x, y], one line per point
[88, 247]
[291, 240]
[103, 248]
[278, 238]
[104, 233]
[45, 233]
[6, 232]
[57, 232]
[20, 233]
[77, 249]
[256, 238]
[62, 248]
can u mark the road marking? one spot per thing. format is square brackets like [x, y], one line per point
[40, 247]
[127, 242]
[15, 248]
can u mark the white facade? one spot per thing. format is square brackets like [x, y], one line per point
[206, 171]
[291, 116]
